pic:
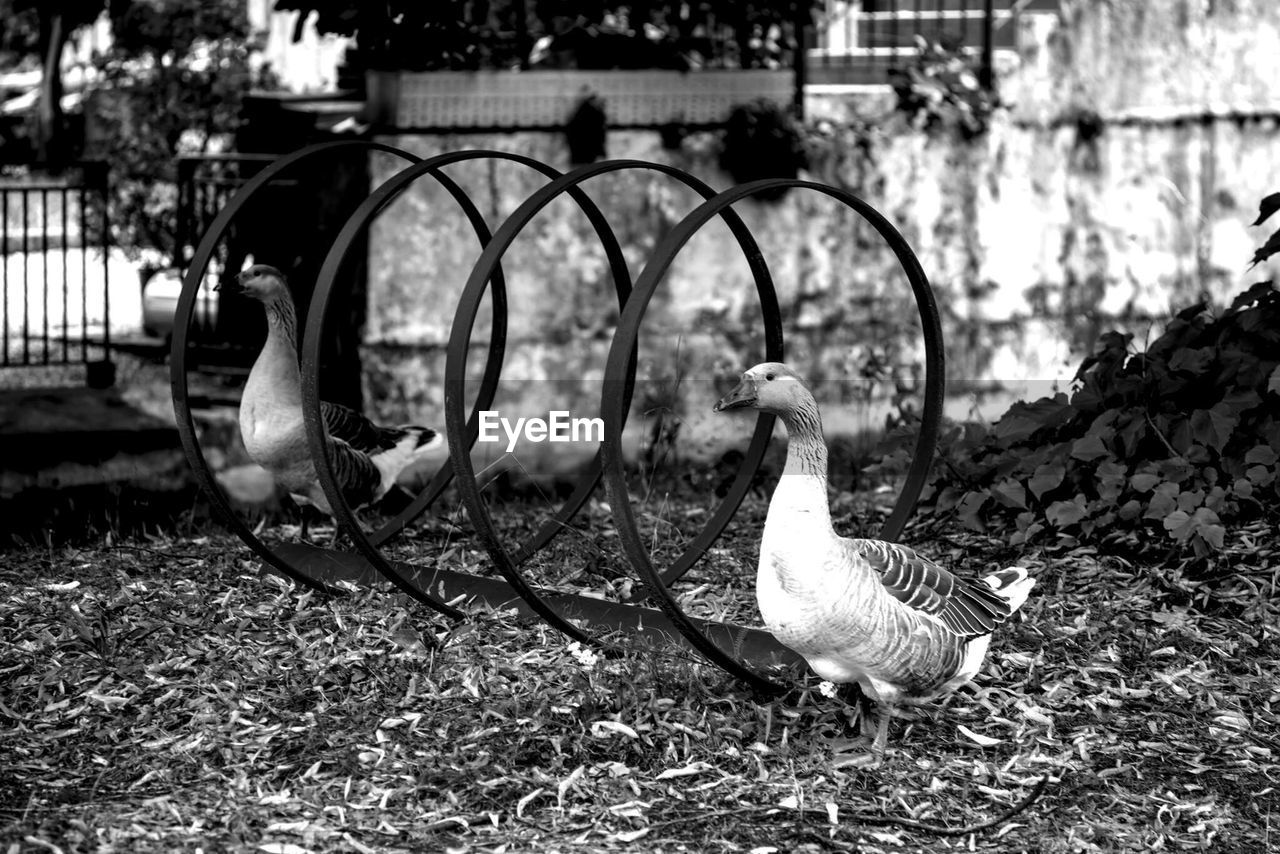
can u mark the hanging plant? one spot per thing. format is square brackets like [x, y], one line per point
[762, 140]
[586, 130]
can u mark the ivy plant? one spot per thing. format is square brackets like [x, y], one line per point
[1172, 444]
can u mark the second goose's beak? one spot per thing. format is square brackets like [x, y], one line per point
[232, 285]
[742, 396]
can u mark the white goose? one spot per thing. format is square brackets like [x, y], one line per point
[866, 611]
[367, 458]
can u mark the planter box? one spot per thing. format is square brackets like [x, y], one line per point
[547, 99]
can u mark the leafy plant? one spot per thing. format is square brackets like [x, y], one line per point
[171, 84]
[762, 140]
[1269, 205]
[411, 35]
[39, 31]
[941, 89]
[1176, 442]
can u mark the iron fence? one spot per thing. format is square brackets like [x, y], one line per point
[863, 41]
[205, 183]
[55, 304]
[289, 216]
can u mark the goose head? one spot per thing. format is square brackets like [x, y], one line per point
[261, 282]
[769, 387]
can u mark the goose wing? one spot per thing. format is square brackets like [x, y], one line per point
[968, 609]
[357, 476]
[347, 425]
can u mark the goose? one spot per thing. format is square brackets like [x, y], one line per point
[903, 628]
[367, 458]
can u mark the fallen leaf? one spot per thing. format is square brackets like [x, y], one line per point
[601, 729]
[686, 771]
[978, 738]
[567, 783]
[631, 835]
[528, 799]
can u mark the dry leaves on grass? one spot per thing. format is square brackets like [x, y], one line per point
[153, 702]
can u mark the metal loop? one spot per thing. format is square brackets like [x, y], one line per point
[613, 406]
[460, 444]
[619, 378]
[181, 329]
[455, 378]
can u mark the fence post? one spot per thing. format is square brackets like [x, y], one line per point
[986, 74]
[802, 16]
[101, 374]
[185, 228]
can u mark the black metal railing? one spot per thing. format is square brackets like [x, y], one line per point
[864, 41]
[205, 183]
[55, 304]
[289, 217]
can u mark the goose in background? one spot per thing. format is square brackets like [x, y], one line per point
[367, 458]
[903, 628]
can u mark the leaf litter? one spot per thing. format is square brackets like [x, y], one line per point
[170, 696]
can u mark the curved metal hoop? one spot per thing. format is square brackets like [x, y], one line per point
[614, 407]
[619, 377]
[460, 444]
[455, 381]
[181, 330]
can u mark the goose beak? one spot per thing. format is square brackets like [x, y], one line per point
[742, 396]
[232, 285]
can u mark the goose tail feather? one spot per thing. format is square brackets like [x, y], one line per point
[1012, 584]
[423, 438]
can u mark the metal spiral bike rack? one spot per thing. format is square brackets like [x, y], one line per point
[740, 651]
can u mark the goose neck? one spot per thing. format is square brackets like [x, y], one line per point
[806, 447]
[282, 320]
[274, 377]
[803, 487]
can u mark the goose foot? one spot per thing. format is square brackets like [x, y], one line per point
[870, 750]
[882, 733]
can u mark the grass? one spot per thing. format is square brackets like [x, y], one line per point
[163, 694]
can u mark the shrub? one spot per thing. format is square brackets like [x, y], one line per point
[1177, 441]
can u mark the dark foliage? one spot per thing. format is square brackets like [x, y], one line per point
[941, 90]
[586, 131]
[408, 35]
[1268, 206]
[171, 84]
[761, 140]
[38, 30]
[1174, 443]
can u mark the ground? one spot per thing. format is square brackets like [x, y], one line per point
[163, 694]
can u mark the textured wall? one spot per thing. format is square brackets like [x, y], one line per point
[1036, 237]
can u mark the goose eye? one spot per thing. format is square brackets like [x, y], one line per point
[769, 376]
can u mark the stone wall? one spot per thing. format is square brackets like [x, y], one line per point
[1106, 196]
